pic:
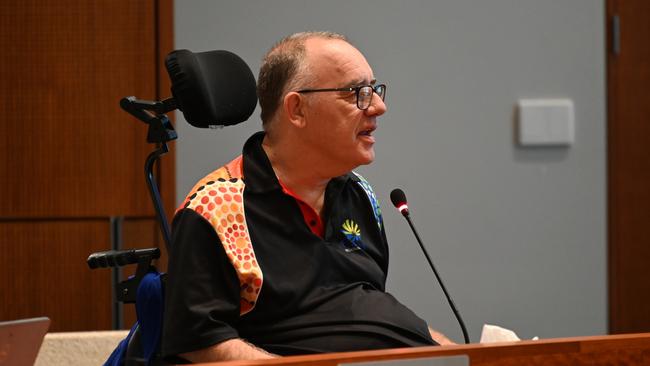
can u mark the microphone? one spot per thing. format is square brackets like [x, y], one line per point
[212, 89]
[398, 198]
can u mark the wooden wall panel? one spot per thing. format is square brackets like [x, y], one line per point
[66, 148]
[43, 272]
[629, 166]
[70, 158]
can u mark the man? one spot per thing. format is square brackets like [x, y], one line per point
[283, 250]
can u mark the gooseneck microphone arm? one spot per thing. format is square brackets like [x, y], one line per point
[398, 198]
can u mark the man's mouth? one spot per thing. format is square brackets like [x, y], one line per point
[367, 132]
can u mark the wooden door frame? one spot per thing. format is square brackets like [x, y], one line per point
[628, 168]
[165, 44]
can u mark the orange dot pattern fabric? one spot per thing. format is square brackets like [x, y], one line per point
[219, 198]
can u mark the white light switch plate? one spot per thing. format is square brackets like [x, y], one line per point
[545, 122]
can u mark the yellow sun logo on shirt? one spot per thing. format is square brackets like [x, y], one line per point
[352, 233]
[351, 228]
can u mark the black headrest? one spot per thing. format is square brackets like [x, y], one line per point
[214, 88]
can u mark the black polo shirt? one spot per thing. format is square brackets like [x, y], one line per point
[318, 294]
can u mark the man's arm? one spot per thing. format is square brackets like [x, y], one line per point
[232, 349]
[201, 303]
[440, 338]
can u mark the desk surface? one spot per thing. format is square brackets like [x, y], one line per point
[625, 349]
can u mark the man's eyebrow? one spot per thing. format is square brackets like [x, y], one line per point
[362, 82]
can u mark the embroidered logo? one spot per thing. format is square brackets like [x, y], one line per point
[352, 235]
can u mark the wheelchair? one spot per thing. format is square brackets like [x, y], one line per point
[213, 89]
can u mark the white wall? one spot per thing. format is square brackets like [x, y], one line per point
[519, 235]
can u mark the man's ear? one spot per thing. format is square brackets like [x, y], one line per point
[294, 108]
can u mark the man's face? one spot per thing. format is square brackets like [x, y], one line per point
[339, 132]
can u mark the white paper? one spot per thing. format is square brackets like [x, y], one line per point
[493, 334]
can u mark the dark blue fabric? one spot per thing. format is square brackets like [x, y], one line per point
[149, 309]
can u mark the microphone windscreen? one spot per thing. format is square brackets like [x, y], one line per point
[215, 88]
[397, 197]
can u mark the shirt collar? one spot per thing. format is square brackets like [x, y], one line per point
[258, 172]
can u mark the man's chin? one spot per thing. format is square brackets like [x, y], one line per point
[368, 157]
[365, 157]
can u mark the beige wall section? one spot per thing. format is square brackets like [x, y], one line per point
[78, 348]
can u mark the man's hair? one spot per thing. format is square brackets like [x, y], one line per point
[283, 69]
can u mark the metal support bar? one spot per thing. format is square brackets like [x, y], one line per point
[155, 194]
[616, 35]
[116, 224]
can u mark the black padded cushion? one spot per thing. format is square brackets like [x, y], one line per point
[214, 88]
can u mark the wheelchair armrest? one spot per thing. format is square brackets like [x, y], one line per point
[119, 258]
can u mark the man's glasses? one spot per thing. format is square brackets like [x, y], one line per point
[363, 93]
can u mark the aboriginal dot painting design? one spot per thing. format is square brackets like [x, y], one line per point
[219, 198]
[371, 196]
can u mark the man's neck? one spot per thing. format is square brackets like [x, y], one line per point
[297, 172]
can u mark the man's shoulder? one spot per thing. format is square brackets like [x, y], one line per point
[222, 178]
[372, 198]
[362, 182]
[356, 177]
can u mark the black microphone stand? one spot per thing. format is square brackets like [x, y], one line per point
[406, 215]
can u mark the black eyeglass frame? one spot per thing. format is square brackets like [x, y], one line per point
[355, 89]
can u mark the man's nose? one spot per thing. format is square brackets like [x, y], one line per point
[377, 106]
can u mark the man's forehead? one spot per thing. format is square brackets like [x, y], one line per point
[336, 57]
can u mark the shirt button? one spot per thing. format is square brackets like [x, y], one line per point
[312, 222]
